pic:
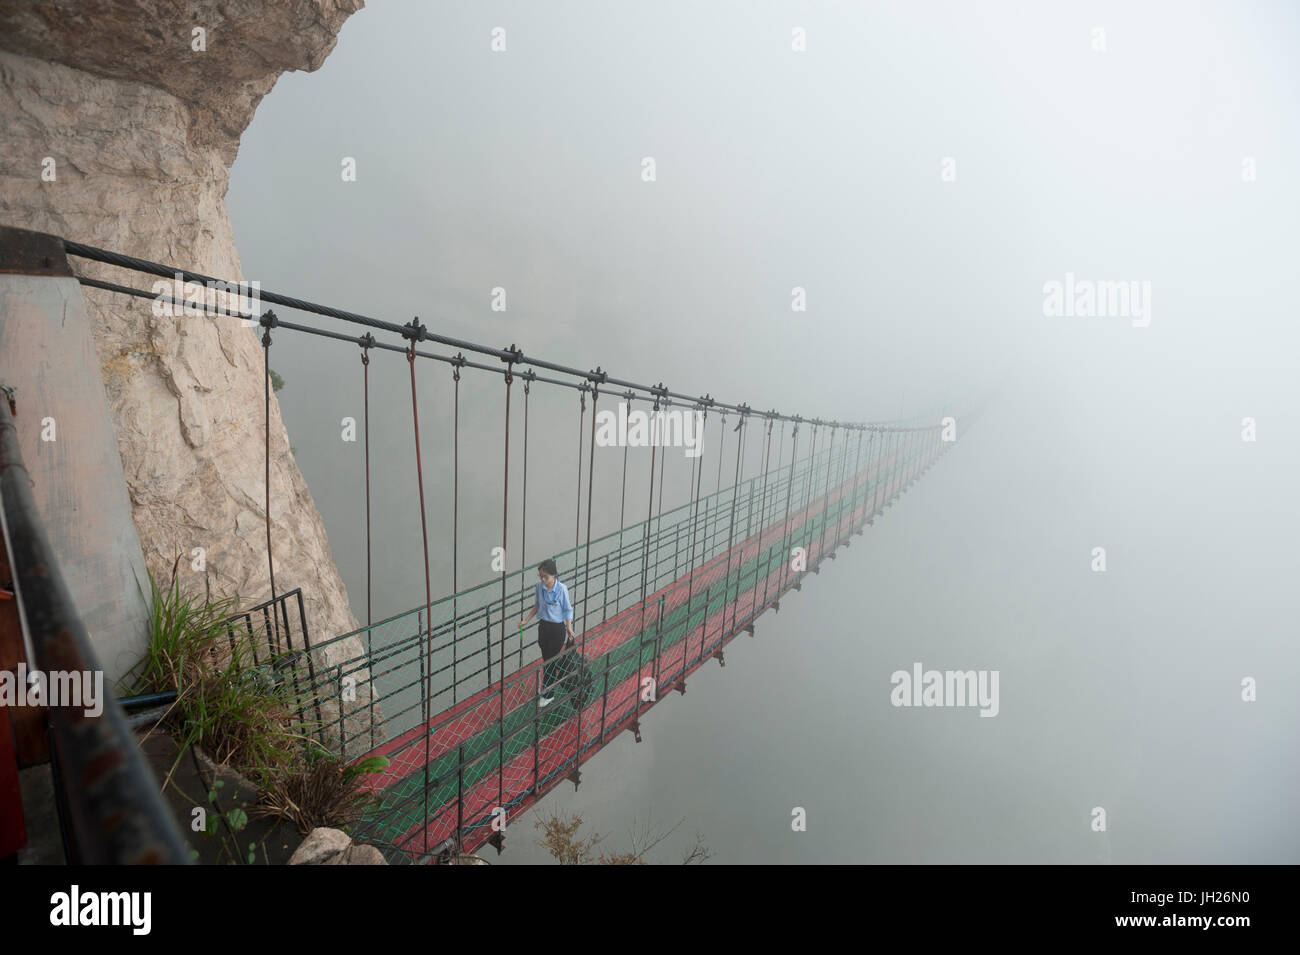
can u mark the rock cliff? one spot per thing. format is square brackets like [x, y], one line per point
[142, 129]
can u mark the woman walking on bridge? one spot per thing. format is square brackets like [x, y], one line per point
[554, 611]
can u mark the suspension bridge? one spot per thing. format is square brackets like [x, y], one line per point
[449, 691]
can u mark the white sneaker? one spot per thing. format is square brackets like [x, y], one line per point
[546, 701]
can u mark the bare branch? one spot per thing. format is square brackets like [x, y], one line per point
[699, 853]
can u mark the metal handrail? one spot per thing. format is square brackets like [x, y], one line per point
[111, 811]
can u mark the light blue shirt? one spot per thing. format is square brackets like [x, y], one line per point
[553, 604]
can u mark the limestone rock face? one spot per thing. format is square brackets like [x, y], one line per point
[247, 45]
[141, 131]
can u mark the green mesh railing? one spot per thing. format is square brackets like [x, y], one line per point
[486, 749]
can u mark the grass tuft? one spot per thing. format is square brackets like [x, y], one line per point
[227, 703]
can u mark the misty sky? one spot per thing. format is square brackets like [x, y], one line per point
[823, 169]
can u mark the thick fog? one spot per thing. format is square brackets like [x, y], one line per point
[923, 173]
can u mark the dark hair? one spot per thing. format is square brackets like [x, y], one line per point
[548, 567]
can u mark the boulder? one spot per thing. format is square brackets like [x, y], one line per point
[321, 847]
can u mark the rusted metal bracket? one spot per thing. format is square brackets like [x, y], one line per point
[23, 252]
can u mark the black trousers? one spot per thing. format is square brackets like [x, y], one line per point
[550, 638]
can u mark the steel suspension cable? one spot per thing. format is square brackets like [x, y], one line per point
[698, 473]
[649, 517]
[591, 470]
[749, 524]
[875, 476]
[731, 533]
[455, 528]
[769, 518]
[505, 527]
[899, 463]
[894, 465]
[577, 514]
[807, 507]
[663, 426]
[762, 510]
[789, 493]
[645, 570]
[370, 650]
[826, 498]
[710, 522]
[749, 512]
[853, 495]
[840, 480]
[578, 695]
[722, 437]
[266, 388]
[866, 481]
[425, 661]
[622, 512]
[885, 464]
[414, 332]
[523, 522]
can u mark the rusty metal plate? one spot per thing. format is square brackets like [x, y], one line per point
[23, 252]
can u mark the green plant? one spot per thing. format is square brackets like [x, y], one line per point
[322, 792]
[184, 631]
[234, 821]
[227, 702]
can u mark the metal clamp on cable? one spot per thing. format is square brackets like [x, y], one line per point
[367, 342]
[268, 321]
[414, 331]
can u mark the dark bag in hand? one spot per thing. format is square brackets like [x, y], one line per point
[572, 672]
